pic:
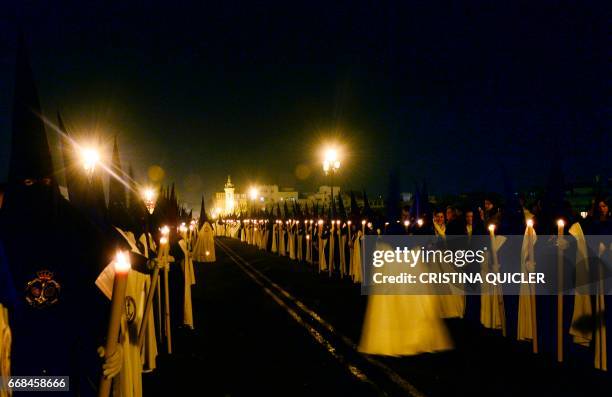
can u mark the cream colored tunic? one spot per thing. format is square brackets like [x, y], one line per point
[204, 250]
[189, 280]
[5, 349]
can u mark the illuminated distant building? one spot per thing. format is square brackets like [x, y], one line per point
[230, 202]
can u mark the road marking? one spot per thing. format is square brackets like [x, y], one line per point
[353, 369]
[390, 373]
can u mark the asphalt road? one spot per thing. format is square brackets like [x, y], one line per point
[266, 325]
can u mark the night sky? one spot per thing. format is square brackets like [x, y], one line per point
[447, 93]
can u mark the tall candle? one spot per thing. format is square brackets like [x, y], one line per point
[560, 228]
[122, 268]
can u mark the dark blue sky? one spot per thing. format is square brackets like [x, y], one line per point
[446, 92]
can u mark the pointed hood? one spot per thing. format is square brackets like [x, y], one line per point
[30, 154]
[341, 209]
[117, 208]
[366, 212]
[332, 209]
[513, 221]
[32, 191]
[203, 215]
[136, 206]
[416, 203]
[98, 189]
[133, 199]
[75, 179]
[354, 206]
[392, 202]
[425, 208]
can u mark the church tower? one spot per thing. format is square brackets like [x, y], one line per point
[229, 196]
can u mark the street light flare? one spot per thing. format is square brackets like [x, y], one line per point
[149, 198]
[253, 193]
[90, 158]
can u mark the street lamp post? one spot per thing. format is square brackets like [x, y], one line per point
[331, 165]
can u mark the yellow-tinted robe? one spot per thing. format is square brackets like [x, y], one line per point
[403, 325]
[5, 350]
[204, 250]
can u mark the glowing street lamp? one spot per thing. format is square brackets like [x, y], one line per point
[331, 165]
[90, 157]
[253, 194]
[149, 197]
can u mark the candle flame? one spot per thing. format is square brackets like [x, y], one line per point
[122, 262]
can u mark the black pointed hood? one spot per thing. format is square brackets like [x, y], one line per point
[67, 160]
[95, 199]
[117, 208]
[366, 211]
[136, 209]
[30, 154]
[32, 189]
[341, 209]
[393, 200]
[333, 214]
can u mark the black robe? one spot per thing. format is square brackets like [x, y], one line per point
[61, 335]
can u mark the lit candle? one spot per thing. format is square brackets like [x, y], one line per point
[560, 229]
[349, 232]
[493, 246]
[164, 251]
[531, 260]
[122, 268]
[406, 224]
